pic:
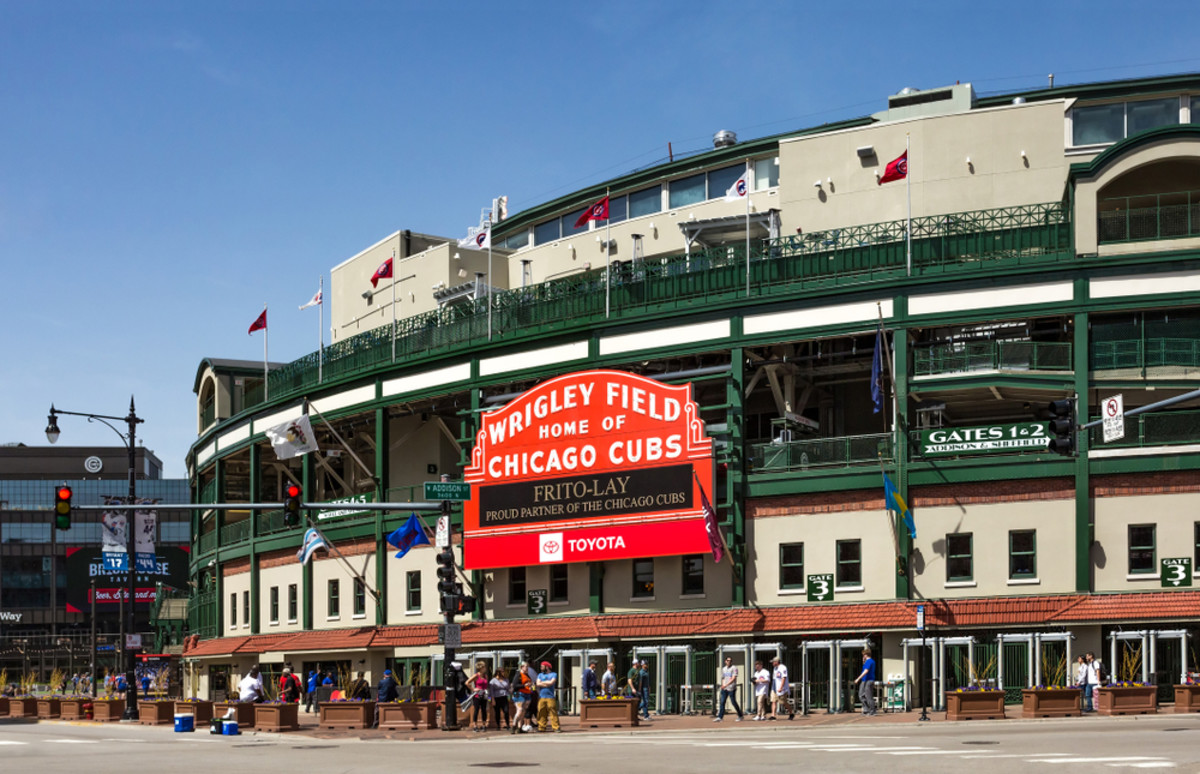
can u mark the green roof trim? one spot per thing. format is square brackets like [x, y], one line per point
[1131, 87]
[1087, 169]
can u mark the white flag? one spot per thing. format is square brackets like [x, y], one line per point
[316, 301]
[740, 188]
[481, 240]
[292, 438]
[312, 542]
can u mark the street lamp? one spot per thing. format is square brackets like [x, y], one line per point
[129, 439]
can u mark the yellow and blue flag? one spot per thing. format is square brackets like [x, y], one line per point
[895, 502]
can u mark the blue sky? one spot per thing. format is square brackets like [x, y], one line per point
[166, 168]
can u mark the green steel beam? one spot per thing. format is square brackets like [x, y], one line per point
[900, 356]
[1084, 522]
[735, 475]
[383, 437]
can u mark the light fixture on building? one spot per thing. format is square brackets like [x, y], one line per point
[816, 184]
[865, 151]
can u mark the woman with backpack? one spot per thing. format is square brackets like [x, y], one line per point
[479, 685]
[521, 688]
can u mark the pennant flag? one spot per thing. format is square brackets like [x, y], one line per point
[292, 438]
[383, 272]
[598, 211]
[895, 502]
[481, 240]
[877, 370]
[710, 526]
[312, 542]
[895, 170]
[740, 188]
[260, 324]
[408, 536]
[316, 300]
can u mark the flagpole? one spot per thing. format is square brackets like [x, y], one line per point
[308, 406]
[908, 191]
[393, 279]
[724, 543]
[747, 173]
[489, 274]
[607, 256]
[321, 330]
[331, 548]
[266, 382]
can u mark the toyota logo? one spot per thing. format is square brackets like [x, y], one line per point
[550, 547]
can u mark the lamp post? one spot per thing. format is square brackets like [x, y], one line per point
[129, 439]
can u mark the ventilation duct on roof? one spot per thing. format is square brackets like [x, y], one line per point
[724, 139]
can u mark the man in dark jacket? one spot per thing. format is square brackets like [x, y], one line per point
[591, 686]
[388, 691]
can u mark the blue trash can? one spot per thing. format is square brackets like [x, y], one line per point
[185, 723]
[230, 728]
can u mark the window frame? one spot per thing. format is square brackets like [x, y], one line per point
[518, 578]
[333, 599]
[246, 608]
[1131, 548]
[1124, 104]
[293, 603]
[233, 606]
[953, 557]
[274, 604]
[1013, 554]
[360, 598]
[785, 565]
[693, 575]
[644, 588]
[843, 565]
[412, 591]
[563, 581]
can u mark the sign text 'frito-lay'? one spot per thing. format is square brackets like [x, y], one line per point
[589, 466]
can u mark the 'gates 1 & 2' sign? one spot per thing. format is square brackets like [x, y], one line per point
[589, 466]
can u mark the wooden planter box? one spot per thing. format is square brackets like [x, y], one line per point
[22, 708]
[156, 713]
[347, 714]
[48, 709]
[202, 711]
[108, 710]
[608, 712]
[276, 717]
[3, 706]
[1051, 702]
[395, 716]
[975, 705]
[73, 709]
[1128, 700]
[243, 712]
[1187, 698]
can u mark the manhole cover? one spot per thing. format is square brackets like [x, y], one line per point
[502, 765]
[975, 741]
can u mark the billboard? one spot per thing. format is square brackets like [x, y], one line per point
[589, 466]
[86, 564]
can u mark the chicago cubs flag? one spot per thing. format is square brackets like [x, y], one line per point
[740, 188]
[383, 272]
[260, 324]
[895, 170]
[598, 211]
[480, 240]
[710, 525]
[312, 542]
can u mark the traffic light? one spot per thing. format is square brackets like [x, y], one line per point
[1062, 426]
[291, 505]
[62, 507]
[464, 604]
[445, 576]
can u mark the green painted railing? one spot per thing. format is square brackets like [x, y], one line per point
[1165, 428]
[208, 492]
[207, 542]
[992, 356]
[981, 240]
[235, 532]
[1145, 353]
[820, 453]
[202, 614]
[270, 523]
[1149, 217]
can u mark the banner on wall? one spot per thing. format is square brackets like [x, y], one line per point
[85, 565]
[589, 466]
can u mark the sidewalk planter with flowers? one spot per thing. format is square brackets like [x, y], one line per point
[399, 715]
[276, 716]
[243, 712]
[1128, 699]
[107, 710]
[73, 707]
[49, 707]
[153, 712]
[3, 706]
[975, 704]
[1187, 697]
[347, 714]
[608, 712]
[22, 707]
[1052, 702]
[200, 709]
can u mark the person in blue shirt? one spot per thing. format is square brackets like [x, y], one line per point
[386, 691]
[866, 683]
[547, 685]
[313, 676]
[145, 686]
[120, 685]
[328, 679]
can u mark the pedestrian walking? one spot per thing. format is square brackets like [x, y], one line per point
[591, 685]
[608, 683]
[311, 696]
[499, 688]
[729, 687]
[762, 690]
[866, 683]
[643, 682]
[780, 690]
[522, 686]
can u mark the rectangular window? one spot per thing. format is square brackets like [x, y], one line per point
[293, 603]
[643, 578]
[516, 586]
[617, 209]
[1150, 113]
[1141, 549]
[233, 610]
[766, 174]
[645, 202]
[545, 232]
[1095, 124]
[246, 608]
[1022, 554]
[693, 574]
[849, 563]
[687, 190]
[360, 597]
[333, 605]
[516, 241]
[568, 223]
[791, 566]
[720, 180]
[558, 583]
[959, 565]
[413, 591]
[274, 604]
[1195, 110]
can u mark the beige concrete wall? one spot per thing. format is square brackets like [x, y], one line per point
[668, 585]
[280, 577]
[536, 577]
[1175, 517]
[325, 570]
[422, 560]
[940, 177]
[234, 584]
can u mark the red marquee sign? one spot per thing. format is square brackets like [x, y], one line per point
[590, 466]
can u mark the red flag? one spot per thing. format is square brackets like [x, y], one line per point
[383, 272]
[895, 170]
[710, 525]
[598, 211]
[260, 324]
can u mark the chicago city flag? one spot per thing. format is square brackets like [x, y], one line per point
[312, 542]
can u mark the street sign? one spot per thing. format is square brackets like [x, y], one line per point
[537, 602]
[985, 439]
[441, 536]
[1176, 573]
[450, 635]
[920, 618]
[1113, 410]
[133, 641]
[447, 490]
[820, 588]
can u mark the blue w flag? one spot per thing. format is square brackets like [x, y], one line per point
[877, 371]
[896, 503]
[411, 534]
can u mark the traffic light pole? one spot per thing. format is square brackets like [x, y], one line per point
[449, 676]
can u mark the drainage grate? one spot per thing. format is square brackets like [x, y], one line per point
[977, 741]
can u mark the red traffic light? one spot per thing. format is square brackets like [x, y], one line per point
[64, 493]
[293, 490]
[62, 500]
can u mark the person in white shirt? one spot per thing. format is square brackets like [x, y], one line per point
[780, 689]
[608, 683]
[729, 678]
[762, 690]
[251, 686]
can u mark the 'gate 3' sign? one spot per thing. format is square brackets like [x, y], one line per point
[590, 466]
